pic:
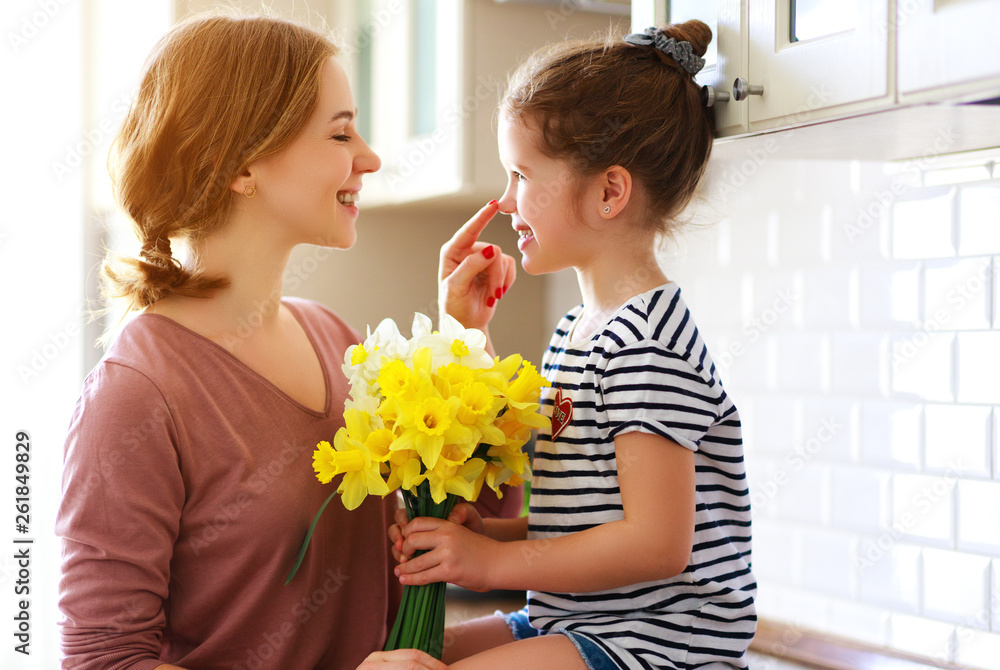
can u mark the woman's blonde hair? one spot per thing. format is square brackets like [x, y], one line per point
[218, 93]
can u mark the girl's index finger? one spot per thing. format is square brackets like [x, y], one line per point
[469, 233]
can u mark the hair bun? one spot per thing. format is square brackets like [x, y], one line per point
[694, 31]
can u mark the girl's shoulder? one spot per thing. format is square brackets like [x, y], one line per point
[658, 315]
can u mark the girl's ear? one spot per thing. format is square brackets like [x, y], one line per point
[616, 190]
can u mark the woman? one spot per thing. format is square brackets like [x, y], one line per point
[188, 484]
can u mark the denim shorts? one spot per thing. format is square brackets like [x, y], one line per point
[593, 655]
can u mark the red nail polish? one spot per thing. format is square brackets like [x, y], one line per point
[505, 290]
[491, 301]
[492, 202]
[488, 251]
[499, 293]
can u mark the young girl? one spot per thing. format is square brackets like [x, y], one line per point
[188, 483]
[637, 545]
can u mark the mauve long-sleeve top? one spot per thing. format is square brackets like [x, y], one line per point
[187, 489]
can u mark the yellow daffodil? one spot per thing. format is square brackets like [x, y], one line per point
[394, 379]
[352, 456]
[479, 410]
[510, 452]
[457, 479]
[427, 423]
[523, 396]
[452, 377]
[405, 470]
[497, 474]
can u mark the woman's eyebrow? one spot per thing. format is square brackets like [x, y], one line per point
[346, 114]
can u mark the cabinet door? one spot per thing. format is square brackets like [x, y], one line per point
[817, 59]
[947, 43]
[725, 59]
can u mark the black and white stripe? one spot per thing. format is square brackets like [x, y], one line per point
[647, 370]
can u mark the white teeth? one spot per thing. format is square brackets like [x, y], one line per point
[348, 198]
[523, 233]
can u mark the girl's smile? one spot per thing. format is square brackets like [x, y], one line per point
[540, 197]
[524, 236]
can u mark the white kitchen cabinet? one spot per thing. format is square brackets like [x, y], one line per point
[810, 60]
[730, 63]
[817, 59]
[725, 59]
[948, 50]
[427, 75]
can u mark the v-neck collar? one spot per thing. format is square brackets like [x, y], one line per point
[325, 413]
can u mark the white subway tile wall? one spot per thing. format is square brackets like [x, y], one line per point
[852, 309]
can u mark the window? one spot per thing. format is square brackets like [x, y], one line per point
[69, 70]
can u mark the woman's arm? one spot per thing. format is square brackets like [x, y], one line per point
[399, 659]
[657, 481]
[118, 519]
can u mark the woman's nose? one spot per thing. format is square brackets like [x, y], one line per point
[367, 160]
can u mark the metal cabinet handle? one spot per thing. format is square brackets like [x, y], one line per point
[742, 90]
[710, 96]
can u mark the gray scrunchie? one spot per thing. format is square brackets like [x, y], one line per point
[679, 51]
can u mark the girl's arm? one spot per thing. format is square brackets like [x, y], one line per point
[464, 514]
[506, 530]
[657, 481]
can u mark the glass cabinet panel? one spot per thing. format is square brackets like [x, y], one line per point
[424, 63]
[708, 12]
[818, 18]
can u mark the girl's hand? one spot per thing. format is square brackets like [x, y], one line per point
[463, 514]
[396, 535]
[466, 514]
[401, 659]
[473, 275]
[454, 554]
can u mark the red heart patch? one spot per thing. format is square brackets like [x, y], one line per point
[562, 412]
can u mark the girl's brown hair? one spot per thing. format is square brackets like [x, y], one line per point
[218, 93]
[607, 102]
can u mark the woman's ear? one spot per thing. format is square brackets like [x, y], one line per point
[616, 191]
[244, 182]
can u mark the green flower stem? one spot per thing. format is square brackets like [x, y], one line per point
[420, 621]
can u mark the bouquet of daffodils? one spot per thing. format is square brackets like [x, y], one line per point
[435, 417]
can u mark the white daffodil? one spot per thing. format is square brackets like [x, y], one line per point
[454, 343]
[364, 399]
[362, 362]
[389, 342]
[422, 325]
[359, 365]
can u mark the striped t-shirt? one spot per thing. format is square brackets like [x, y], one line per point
[646, 370]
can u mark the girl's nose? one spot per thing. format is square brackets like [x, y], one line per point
[507, 202]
